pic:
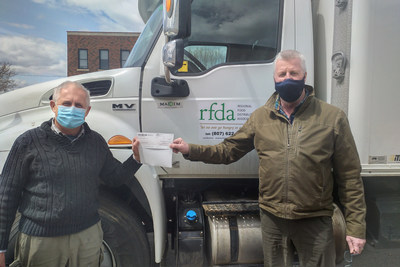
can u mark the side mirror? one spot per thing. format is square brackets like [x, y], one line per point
[173, 54]
[177, 18]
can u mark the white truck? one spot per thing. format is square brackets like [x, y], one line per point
[206, 215]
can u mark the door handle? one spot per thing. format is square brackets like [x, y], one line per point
[177, 88]
[338, 65]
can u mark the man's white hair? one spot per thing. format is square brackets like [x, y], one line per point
[287, 55]
[57, 90]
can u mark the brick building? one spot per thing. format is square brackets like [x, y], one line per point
[94, 51]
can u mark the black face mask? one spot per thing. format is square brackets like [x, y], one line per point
[290, 90]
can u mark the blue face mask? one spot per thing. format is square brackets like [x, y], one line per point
[70, 117]
[290, 90]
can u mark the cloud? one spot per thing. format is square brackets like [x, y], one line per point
[21, 26]
[120, 15]
[33, 56]
[112, 16]
[20, 83]
[47, 2]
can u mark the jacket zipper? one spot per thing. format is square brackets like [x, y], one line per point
[288, 130]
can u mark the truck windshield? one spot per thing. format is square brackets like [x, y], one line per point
[144, 44]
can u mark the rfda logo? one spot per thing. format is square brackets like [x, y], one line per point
[217, 112]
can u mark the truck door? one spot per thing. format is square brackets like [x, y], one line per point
[228, 66]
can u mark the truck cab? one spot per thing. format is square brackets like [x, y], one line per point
[204, 214]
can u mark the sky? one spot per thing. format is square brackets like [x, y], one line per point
[33, 33]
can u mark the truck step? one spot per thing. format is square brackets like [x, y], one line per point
[230, 208]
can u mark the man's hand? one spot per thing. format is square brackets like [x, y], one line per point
[178, 145]
[135, 149]
[356, 245]
[2, 259]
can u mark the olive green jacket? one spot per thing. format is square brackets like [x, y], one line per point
[296, 161]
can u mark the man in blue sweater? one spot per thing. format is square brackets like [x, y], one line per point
[52, 176]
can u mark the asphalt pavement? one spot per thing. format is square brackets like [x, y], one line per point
[374, 256]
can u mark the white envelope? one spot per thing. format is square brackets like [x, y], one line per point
[154, 149]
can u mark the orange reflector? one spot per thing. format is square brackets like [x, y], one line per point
[119, 140]
[168, 5]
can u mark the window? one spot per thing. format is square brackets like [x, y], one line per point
[83, 59]
[201, 58]
[124, 57]
[232, 31]
[103, 59]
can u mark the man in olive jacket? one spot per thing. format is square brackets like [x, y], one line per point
[300, 140]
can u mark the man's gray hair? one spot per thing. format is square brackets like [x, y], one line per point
[58, 89]
[287, 55]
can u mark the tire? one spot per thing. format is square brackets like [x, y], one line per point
[125, 240]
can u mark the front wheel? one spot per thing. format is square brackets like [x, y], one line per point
[125, 241]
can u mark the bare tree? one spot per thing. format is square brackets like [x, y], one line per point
[6, 74]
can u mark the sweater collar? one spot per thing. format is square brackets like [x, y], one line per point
[47, 127]
[58, 131]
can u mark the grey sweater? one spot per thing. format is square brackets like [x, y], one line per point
[55, 182]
